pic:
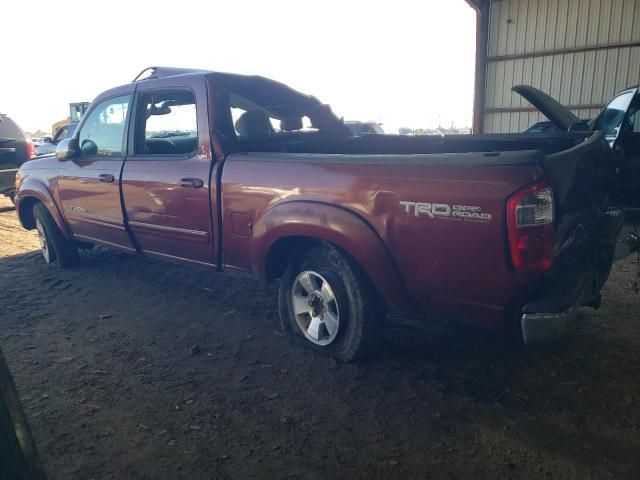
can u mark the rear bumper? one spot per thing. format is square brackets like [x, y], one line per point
[553, 313]
[552, 316]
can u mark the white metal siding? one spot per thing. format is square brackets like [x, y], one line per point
[585, 78]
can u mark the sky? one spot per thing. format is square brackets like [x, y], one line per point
[402, 63]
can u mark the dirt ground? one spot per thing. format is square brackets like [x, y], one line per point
[103, 357]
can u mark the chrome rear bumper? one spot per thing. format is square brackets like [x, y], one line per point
[554, 312]
[544, 327]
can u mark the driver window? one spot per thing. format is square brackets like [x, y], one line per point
[103, 132]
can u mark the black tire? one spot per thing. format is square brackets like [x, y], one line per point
[360, 309]
[61, 251]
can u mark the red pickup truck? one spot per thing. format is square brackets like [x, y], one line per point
[511, 232]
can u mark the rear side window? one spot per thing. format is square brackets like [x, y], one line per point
[264, 123]
[9, 128]
[103, 132]
[170, 123]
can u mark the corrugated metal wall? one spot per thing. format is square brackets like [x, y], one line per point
[579, 51]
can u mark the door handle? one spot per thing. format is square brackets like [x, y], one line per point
[106, 177]
[191, 183]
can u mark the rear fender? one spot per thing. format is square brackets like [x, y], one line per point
[339, 227]
[32, 191]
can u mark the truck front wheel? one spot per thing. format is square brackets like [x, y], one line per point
[55, 248]
[328, 304]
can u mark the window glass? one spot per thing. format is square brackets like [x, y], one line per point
[103, 132]
[61, 134]
[634, 119]
[253, 121]
[275, 124]
[9, 129]
[170, 124]
[236, 113]
[77, 110]
[611, 117]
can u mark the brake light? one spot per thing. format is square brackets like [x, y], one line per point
[530, 228]
[31, 150]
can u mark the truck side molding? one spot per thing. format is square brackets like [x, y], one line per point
[338, 226]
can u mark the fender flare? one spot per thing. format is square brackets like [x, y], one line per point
[32, 188]
[335, 225]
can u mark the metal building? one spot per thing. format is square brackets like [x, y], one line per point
[580, 52]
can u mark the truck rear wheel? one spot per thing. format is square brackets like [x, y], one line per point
[55, 248]
[327, 303]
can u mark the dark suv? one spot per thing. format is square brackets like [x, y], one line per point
[15, 149]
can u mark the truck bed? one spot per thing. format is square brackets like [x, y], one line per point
[449, 265]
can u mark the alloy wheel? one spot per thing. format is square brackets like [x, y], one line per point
[44, 242]
[315, 308]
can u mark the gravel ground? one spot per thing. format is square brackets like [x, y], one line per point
[132, 368]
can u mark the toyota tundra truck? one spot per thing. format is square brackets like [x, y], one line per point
[512, 232]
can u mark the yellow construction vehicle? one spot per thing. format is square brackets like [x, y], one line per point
[76, 110]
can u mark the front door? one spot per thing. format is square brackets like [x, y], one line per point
[612, 117]
[629, 143]
[620, 122]
[89, 185]
[165, 183]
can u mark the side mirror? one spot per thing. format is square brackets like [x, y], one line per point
[89, 148]
[67, 149]
[47, 140]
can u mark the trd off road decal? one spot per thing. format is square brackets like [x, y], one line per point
[444, 211]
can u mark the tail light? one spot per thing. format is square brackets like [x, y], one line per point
[31, 150]
[530, 228]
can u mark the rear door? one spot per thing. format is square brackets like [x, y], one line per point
[630, 145]
[88, 185]
[166, 179]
